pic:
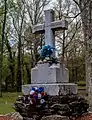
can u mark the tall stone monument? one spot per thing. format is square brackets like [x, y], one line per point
[54, 78]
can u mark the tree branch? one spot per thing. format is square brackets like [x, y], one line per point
[76, 2]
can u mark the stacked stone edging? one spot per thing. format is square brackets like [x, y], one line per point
[69, 106]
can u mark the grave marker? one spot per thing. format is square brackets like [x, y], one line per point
[54, 78]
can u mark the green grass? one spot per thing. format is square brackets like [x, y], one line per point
[81, 83]
[81, 87]
[6, 102]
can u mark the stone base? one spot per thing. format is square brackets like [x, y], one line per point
[55, 117]
[52, 89]
[46, 74]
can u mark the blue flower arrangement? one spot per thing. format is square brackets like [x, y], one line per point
[47, 51]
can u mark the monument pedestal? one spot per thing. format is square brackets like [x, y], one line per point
[54, 79]
[52, 89]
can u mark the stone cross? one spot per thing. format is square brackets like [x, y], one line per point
[50, 27]
[53, 78]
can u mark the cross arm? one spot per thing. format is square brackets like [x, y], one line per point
[40, 28]
[60, 24]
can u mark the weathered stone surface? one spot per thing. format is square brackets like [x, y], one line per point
[27, 118]
[55, 117]
[15, 116]
[44, 73]
[69, 105]
[53, 77]
[60, 107]
[52, 89]
[50, 26]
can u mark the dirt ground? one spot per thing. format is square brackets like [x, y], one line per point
[6, 118]
[84, 117]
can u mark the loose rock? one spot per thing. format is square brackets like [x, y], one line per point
[14, 116]
[55, 117]
[69, 106]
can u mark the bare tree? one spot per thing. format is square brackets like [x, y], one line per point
[86, 16]
[2, 43]
[65, 10]
[18, 19]
[35, 10]
[70, 42]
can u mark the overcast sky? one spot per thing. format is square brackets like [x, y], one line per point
[50, 5]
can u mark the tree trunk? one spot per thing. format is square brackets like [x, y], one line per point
[63, 46]
[2, 43]
[86, 16]
[6, 84]
[19, 71]
[28, 74]
[11, 65]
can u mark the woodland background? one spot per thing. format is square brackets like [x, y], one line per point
[19, 47]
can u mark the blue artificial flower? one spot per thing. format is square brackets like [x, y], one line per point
[34, 88]
[47, 51]
[41, 89]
